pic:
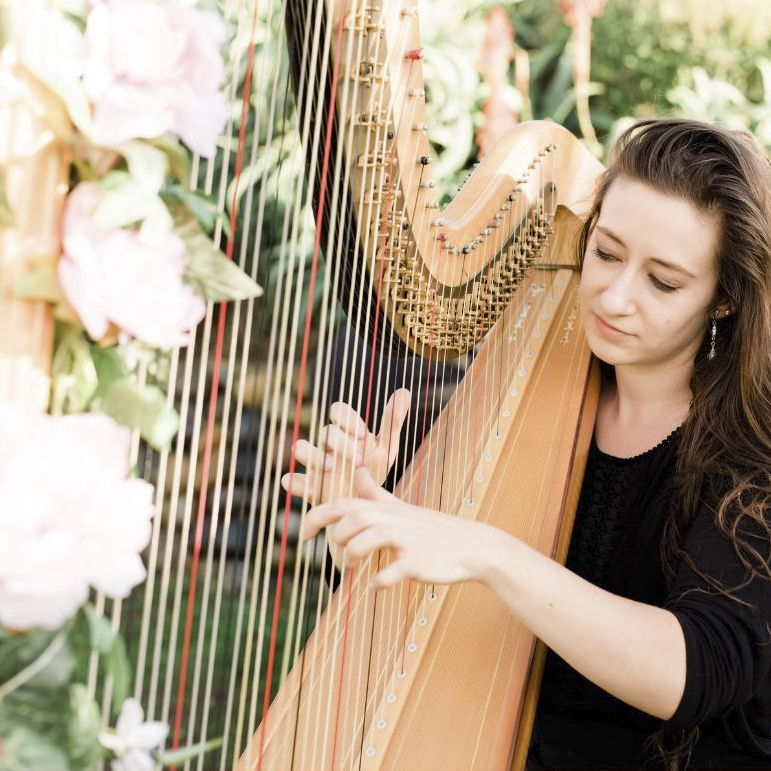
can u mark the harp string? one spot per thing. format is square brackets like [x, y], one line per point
[295, 436]
[212, 636]
[266, 505]
[210, 431]
[364, 657]
[260, 441]
[370, 389]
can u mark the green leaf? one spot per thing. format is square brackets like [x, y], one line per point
[29, 750]
[19, 651]
[180, 755]
[114, 179]
[109, 367]
[201, 206]
[214, 276]
[177, 157]
[126, 204]
[84, 725]
[117, 664]
[142, 407]
[252, 174]
[148, 165]
[6, 213]
[100, 633]
[73, 374]
[40, 284]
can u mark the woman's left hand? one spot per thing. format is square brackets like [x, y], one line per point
[425, 545]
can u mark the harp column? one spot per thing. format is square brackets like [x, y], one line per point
[34, 162]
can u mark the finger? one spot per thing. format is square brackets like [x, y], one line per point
[363, 516]
[324, 515]
[394, 415]
[337, 442]
[348, 420]
[391, 575]
[311, 456]
[364, 543]
[366, 487]
[301, 485]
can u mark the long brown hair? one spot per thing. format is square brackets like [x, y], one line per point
[724, 453]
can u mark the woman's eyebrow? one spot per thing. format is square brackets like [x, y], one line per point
[664, 263]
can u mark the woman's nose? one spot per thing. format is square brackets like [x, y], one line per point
[618, 295]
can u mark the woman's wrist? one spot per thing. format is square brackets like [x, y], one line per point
[498, 555]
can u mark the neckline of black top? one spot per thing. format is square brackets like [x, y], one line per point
[644, 455]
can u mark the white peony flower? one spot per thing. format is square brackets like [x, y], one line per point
[110, 275]
[69, 517]
[155, 68]
[132, 739]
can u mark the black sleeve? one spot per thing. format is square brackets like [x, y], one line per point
[727, 635]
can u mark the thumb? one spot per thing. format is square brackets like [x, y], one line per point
[366, 487]
[394, 415]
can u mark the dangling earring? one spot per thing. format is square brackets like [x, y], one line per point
[713, 335]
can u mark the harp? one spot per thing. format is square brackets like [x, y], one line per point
[236, 633]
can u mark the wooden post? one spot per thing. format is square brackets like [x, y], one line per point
[35, 164]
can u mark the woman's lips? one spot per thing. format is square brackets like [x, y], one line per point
[608, 329]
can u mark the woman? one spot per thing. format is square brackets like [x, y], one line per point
[661, 620]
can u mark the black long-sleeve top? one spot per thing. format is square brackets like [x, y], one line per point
[615, 545]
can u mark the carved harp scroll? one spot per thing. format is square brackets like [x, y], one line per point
[236, 632]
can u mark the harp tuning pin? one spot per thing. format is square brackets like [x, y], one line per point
[416, 92]
[437, 223]
[420, 126]
[428, 183]
[410, 12]
[506, 206]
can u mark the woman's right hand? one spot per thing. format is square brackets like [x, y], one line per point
[344, 445]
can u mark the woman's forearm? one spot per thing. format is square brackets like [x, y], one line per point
[632, 650]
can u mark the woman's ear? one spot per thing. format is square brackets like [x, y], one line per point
[721, 309]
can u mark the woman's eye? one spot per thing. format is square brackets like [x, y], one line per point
[604, 256]
[663, 286]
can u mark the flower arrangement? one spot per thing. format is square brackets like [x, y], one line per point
[137, 90]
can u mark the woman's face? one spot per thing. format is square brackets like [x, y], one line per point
[649, 278]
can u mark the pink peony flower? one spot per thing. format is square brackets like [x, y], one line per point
[112, 276]
[155, 68]
[69, 517]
